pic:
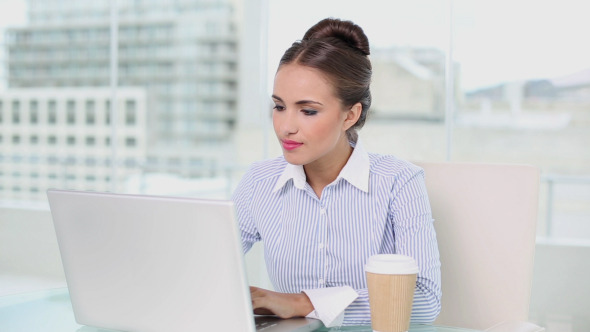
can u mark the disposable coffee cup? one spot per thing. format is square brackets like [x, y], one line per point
[391, 280]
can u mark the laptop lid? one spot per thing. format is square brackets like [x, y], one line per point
[146, 263]
[149, 263]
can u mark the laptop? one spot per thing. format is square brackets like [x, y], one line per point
[149, 263]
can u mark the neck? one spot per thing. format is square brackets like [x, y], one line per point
[322, 172]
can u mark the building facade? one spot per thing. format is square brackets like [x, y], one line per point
[61, 138]
[183, 54]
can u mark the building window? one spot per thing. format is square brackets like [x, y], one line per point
[130, 162]
[90, 161]
[1, 112]
[52, 160]
[130, 111]
[15, 139]
[15, 112]
[51, 140]
[108, 112]
[71, 140]
[90, 141]
[90, 112]
[33, 112]
[51, 112]
[34, 139]
[71, 112]
[130, 142]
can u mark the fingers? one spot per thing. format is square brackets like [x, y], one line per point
[263, 311]
[258, 296]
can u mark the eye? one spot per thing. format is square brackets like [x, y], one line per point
[309, 112]
[278, 108]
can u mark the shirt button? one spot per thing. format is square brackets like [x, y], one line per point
[321, 281]
[323, 211]
[321, 246]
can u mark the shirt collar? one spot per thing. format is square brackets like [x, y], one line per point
[356, 171]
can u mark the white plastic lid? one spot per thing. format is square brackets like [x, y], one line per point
[391, 264]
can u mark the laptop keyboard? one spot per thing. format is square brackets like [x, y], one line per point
[262, 324]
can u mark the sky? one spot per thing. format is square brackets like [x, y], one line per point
[494, 41]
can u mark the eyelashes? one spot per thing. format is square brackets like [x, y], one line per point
[308, 112]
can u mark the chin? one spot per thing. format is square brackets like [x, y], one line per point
[291, 159]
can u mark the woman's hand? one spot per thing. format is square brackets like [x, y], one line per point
[265, 302]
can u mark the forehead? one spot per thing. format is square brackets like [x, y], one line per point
[293, 80]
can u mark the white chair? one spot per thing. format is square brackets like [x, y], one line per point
[485, 219]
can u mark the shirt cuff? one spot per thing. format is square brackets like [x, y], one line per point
[330, 303]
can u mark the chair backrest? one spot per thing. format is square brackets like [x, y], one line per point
[485, 219]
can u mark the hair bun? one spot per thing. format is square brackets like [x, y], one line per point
[347, 31]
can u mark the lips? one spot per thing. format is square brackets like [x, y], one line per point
[290, 145]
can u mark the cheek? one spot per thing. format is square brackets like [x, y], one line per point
[275, 122]
[326, 129]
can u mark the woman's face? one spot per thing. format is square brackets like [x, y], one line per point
[308, 118]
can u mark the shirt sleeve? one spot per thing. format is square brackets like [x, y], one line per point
[415, 236]
[411, 217]
[242, 204]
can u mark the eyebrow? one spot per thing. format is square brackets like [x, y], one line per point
[300, 102]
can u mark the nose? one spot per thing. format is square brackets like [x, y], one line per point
[285, 122]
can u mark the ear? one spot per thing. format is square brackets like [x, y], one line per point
[352, 115]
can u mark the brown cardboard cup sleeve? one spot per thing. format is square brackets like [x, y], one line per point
[391, 280]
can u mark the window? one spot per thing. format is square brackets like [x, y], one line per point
[108, 112]
[16, 112]
[90, 161]
[130, 113]
[518, 92]
[130, 142]
[90, 141]
[33, 112]
[71, 112]
[52, 112]
[90, 112]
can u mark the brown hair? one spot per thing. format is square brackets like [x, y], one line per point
[340, 50]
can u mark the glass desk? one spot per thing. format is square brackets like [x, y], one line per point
[51, 311]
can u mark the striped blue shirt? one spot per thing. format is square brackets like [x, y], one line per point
[378, 204]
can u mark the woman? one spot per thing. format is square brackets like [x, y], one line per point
[327, 205]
